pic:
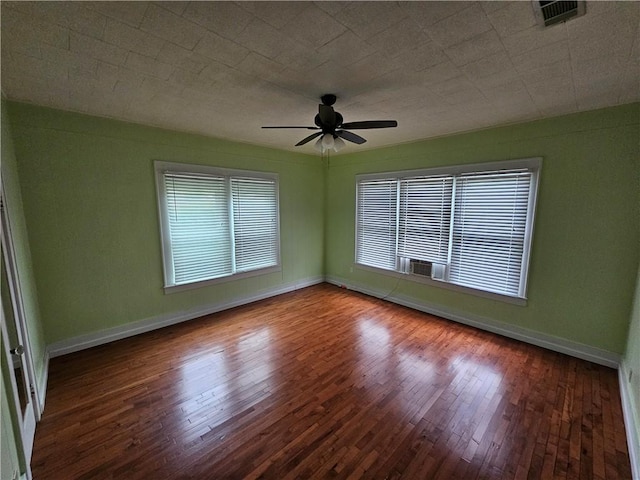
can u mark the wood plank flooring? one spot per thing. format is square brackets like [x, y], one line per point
[328, 383]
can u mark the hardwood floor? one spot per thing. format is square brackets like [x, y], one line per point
[327, 383]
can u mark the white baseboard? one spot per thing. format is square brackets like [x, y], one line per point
[575, 349]
[101, 337]
[556, 344]
[628, 413]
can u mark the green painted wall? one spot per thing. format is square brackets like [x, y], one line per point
[585, 247]
[90, 202]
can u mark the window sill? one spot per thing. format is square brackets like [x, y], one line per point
[448, 286]
[168, 289]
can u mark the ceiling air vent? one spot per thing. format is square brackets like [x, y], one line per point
[549, 12]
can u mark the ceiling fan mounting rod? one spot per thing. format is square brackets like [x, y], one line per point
[328, 99]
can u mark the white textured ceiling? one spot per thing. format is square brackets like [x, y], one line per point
[224, 69]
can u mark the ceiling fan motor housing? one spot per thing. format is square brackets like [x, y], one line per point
[329, 127]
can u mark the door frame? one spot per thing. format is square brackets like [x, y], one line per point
[22, 329]
[23, 446]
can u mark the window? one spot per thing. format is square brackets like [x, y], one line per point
[468, 226]
[216, 223]
[377, 202]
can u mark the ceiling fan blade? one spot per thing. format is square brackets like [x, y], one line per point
[308, 139]
[308, 128]
[327, 114]
[370, 124]
[351, 137]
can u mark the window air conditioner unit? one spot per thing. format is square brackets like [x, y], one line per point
[427, 269]
[420, 267]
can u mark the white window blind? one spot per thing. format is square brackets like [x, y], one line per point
[425, 217]
[199, 227]
[490, 223]
[376, 223]
[255, 223]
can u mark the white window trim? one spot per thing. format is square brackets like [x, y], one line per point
[534, 163]
[161, 167]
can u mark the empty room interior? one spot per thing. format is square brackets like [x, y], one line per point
[320, 240]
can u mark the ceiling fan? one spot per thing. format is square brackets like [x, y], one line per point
[332, 130]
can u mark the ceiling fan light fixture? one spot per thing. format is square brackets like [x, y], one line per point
[327, 141]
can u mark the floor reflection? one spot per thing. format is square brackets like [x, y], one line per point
[374, 337]
[254, 356]
[428, 390]
[374, 355]
[205, 373]
[215, 384]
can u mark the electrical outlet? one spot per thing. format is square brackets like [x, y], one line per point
[630, 375]
[350, 269]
